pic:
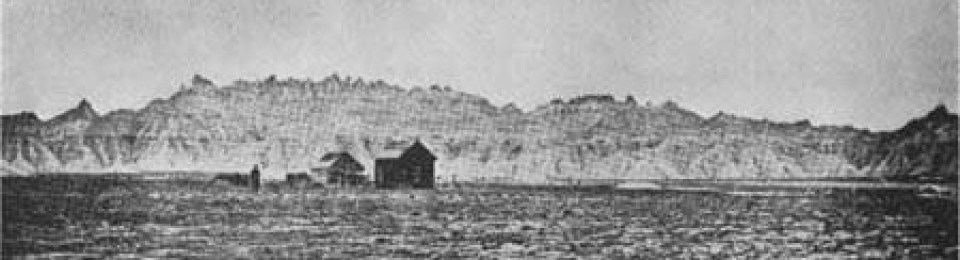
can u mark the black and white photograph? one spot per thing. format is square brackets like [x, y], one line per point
[479, 129]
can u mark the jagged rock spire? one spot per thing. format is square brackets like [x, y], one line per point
[199, 80]
[511, 108]
[84, 110]
[670, 104]
[939, 111]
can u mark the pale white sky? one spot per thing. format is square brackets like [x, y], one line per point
[869, 63]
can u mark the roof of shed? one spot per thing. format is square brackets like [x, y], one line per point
[325, 163]
[333, 155]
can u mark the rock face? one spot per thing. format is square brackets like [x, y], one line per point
[288, 124]
[924, 147]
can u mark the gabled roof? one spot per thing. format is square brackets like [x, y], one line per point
[426, 151]
[333, 156]
[329, 159]
[396, 152]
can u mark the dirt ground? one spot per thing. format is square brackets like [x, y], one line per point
[103, 217]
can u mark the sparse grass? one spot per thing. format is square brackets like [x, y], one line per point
[100, 217]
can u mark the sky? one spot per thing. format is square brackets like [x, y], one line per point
[866, 63]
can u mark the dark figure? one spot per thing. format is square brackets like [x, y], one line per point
[255, 178]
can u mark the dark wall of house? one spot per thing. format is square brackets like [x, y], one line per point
[424, 175]
[397, 173]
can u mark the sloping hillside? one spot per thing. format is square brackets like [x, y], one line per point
[289, 124]
[924, 147]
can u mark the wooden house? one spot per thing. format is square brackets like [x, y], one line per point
[405, 167]
[337, 169]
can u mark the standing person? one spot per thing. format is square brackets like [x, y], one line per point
[255, 178]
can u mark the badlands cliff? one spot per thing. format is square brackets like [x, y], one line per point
[289, 124]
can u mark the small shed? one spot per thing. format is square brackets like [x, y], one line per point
[251, 180]
[410, 166]
[336, 168]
